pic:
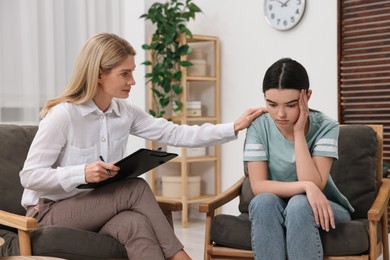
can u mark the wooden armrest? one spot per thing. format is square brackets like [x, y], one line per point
[17, 221]
[222, 198]
[379, 207]
[169, 205]
[24, 225]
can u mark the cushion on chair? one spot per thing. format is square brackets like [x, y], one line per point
[231, 231]
[69, 243]
[354, 175]
[234, 231]
[246, 194]
[14, 142]
[66, 243]
[357, 165]
[11, 245]
[350, 238]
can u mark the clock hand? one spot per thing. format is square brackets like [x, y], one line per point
[280, 2]
[285, 3]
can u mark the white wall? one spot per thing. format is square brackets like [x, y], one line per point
[134, 32]
[249, 46]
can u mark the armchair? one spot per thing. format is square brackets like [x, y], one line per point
[357, 173]
[22, 235]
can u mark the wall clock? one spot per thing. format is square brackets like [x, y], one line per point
[284, 14]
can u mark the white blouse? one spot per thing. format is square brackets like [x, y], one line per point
[70, 136]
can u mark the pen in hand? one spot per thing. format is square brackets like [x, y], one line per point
[108, 171]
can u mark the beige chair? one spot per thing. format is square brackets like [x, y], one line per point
[22, 235]
[357, 173]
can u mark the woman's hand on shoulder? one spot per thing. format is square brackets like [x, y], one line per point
[320, 205]
[246, 119]
[99, 171]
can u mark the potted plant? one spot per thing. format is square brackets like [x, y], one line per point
[170, 20]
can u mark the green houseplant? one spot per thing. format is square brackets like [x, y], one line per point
[170, 20]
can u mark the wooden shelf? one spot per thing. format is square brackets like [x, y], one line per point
[207, 89]
[201, 38]
[180, 159]
[196, 119]
[202, 198]
[193, 78]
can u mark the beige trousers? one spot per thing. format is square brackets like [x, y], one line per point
[126, 210]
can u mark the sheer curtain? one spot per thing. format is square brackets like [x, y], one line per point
[39, 42]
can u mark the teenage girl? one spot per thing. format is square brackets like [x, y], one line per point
[289, 154]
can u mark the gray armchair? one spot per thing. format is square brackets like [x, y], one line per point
[22, 235]
[357, 173]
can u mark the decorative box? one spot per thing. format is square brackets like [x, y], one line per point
[194, 109]
[198, 68]
[171, 186]
[199, 63]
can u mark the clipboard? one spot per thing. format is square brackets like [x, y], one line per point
[134, 165]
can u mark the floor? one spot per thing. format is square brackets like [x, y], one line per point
[193, 237]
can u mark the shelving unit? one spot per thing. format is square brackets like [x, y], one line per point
[204, 88]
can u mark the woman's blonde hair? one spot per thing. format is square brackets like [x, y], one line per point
[103, 52]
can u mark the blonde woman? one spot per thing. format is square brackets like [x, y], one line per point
[91, 119]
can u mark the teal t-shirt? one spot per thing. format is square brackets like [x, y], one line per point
[264, 142]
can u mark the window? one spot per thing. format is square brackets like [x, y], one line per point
[364, 64]
[39, 44]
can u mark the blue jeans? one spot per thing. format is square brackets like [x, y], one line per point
[287, 228]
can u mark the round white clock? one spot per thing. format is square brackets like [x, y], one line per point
[284, 14]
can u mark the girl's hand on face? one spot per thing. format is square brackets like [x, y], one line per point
[322, 211]
[300, 125]
[99, 171]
